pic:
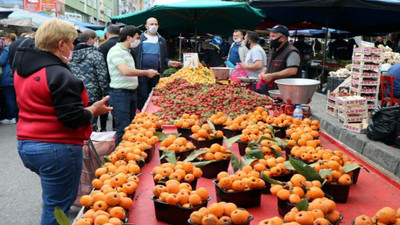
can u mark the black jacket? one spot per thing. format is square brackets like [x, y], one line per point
[105, 48]
[23, 43]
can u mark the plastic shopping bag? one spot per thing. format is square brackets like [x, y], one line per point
[383, 125]
[238, 72]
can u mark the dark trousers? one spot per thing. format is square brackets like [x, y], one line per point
[10, 102]
[103, 121]
[145, 86]
[124, 110]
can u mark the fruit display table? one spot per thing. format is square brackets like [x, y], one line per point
[373, 190]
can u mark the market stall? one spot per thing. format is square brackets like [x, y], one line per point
[137, 158]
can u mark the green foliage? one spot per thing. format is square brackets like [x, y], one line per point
[169, 156]
[269, 179]
[302, 205]
[307, 171]
[60, 216]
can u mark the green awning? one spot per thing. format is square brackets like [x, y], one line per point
[198, 16]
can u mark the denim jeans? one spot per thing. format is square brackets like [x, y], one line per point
[145, 86]
[59, 167]
[11, 103]
[124, 109]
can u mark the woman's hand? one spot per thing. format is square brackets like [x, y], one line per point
[100, 107]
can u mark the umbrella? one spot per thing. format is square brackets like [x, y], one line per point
[332, 33]
[191, 16]
[20, 22]
[359, 16]
[36, 18]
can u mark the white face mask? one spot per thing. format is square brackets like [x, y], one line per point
[135, 43]
[237, 40]
[69, 58]
[96, 44]
[153, 29]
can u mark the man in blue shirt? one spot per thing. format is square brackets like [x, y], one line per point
[151, 54]
[394, 70]
[238, 51]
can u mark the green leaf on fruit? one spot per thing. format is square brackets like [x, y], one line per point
[281, 143]
[252, 144]
[169, 156]
[194, 155]
[350, 167]
[271, 128]
[60, 216]
[211, 125]
[202, 163]
[236, 164]
[307, 171]
[313, 164]
[325, 172]
[246, 162]
[230, 141]
[162, 136]
[269, 179]
[288, 165]
[254, 154]
[302, 205]
[278, 154]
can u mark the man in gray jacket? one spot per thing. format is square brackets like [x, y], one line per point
[238, 51]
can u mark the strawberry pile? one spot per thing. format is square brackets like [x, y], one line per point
[204, 100]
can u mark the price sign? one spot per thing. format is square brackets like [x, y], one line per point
[191, 60]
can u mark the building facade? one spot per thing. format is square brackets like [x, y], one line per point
[91, 11]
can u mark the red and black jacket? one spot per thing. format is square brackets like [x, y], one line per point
[50, 98]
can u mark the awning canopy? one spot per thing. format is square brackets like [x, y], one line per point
[359, 16]
[191, 16]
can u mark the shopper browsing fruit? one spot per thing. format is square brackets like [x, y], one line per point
[283, 60]
[151, 54]
[88, 64]
[124, 79]
[7, 82]
[54, 119]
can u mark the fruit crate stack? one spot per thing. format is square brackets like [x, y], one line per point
[331, 106]
[353, 112]
[365, 74]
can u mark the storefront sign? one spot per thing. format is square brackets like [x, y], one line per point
[32, 5]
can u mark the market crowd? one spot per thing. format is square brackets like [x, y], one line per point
[59, 85]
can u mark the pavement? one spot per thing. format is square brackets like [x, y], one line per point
[20, 189]
[385, 158]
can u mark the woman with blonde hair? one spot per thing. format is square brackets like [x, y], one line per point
[54, 117]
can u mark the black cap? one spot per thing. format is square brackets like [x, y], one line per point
[280, 29]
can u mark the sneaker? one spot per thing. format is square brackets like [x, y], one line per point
[7, 121]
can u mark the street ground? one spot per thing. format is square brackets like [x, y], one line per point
[20, 190]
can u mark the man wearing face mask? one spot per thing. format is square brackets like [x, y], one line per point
[238, 51]
[124, 79]
[88, 64]
[283, 61]
[151, 54]
[256, 57]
